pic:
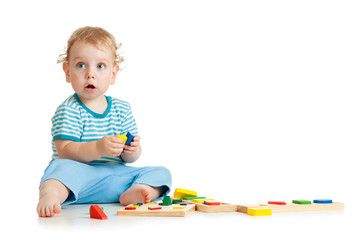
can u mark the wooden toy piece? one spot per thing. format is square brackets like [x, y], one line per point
[307, 207]
[134, 206]
[212, 203]
[277, 202]
[165, 211]
[178, 207]
[323, 201]
[181, 193]
[130, 138]
[201, 200]
[130, 208]
[176, 201]
[244, 208]
[123, 137]
[223, 207]
[192, 198]
[100, 207]
[97, 213]
[291, 207]
[167, 201]
[154, 208]
[263, 211]
[301, 201]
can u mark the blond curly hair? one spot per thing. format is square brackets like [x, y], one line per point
[93, 35]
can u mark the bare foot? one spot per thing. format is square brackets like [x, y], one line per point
[48, 205]
[52, 194]
[139, 193]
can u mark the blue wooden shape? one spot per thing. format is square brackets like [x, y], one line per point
[324, 201]
[130, 137]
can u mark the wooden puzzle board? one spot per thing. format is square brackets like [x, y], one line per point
[223, 207]
[166, 211]
[290, 207]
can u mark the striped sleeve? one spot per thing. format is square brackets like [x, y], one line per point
[67, 124]
[129, 124]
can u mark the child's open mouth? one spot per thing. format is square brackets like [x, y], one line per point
[90, 88]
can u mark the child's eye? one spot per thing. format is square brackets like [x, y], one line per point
[80, 65]
[101, 66]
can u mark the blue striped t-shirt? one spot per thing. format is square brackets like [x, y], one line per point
[74, 121]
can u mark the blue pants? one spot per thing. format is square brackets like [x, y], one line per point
[103, 183]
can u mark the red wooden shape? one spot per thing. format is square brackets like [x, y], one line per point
[97, 213]
[130, 208]
[213, 203]
[154, 208]
[277, 202]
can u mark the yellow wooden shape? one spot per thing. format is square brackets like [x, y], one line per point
[201, 200]
[178, 207]
[151, 203]
[123, 137]
[259, 211]
[137, 206]
[181, 193]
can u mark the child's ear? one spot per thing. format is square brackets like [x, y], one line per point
[114, 73]
[66, 71]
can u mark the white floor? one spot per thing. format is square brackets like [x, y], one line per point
[75, 221]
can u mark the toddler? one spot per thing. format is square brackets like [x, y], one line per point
[89, 161]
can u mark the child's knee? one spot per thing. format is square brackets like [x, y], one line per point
[163, 171]
[54, 184]
[161, 177]
[60, 168]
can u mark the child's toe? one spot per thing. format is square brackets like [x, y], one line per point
[57, 208]
[48, 211]
[42, 212]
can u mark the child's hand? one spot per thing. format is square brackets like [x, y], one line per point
[110, 146]
[134, 145]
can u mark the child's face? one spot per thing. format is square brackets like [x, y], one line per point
[90, 70]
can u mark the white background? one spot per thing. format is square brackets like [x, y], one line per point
[244, 101]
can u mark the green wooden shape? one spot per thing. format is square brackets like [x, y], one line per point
[175, 201]
[301, 201]
[192, 198]
[167, 201]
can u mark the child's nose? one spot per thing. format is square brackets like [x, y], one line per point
[90, 73]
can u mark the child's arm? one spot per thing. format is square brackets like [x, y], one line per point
[132, 153]
[88, 151]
